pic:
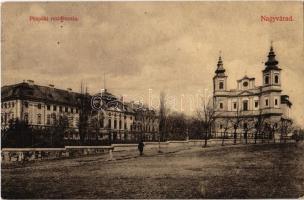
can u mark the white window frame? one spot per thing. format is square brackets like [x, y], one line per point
[278, 75]
[278, 101]
[243, 103]
[266, 75]
[266, 99]
[234, 109]
[221, 81]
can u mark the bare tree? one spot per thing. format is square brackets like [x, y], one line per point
[259, 125]
[249, 127]
[285, 127]
[206, 117]
[274, 127]
[226, 126]
[270, 128]
[236, 122]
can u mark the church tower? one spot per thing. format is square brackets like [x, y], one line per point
[271, 87]
[271, 73]
[220, 78]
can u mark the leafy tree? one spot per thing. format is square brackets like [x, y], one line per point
[19, 134]
[84, 112]
[57, 131]
[177, 126]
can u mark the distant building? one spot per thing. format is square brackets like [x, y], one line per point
[38, 105]
[41, 106]
[249, 102]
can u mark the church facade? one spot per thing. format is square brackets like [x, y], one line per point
[250, 108]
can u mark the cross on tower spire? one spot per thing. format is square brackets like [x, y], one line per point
[104, 81]
[271, 62]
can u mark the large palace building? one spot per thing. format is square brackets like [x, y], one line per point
[247, 105]
[40, 107]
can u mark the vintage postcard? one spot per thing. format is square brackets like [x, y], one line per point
[152, 100]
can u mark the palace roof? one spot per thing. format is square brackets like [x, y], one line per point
[29, 91]
[50, 94]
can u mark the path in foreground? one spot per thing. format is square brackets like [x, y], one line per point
[261, 171]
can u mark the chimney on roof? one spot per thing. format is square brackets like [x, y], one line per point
[69, 89]
[31, 82]
[51, 85]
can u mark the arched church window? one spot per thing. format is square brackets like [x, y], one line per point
[276, 79]
[221, 86]
[266, 79]
[109, 123]
[115, 124]
[245, 105]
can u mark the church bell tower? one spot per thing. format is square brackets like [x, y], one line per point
[272, 73]
[220, 78]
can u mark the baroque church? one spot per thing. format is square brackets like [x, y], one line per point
[249, 106]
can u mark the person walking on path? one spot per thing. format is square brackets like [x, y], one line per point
[141, 147]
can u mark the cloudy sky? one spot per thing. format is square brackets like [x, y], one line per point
[170, 46]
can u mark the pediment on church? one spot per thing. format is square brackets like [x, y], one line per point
[245, 93]
[246, 78]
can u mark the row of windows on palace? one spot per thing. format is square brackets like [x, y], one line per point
[66, 109]
[256, 104]
[48, 107]
[5, 118]
[245, 84]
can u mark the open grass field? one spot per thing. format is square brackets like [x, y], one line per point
[242, 171]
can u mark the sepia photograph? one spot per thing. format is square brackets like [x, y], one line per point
[152, 100]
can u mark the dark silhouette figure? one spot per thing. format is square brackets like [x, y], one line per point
[141, 147]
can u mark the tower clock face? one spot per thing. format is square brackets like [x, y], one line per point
[245, 84]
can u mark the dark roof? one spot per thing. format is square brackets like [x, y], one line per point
[220, 68]
[141, 108]
[26, 91]
[106, 97]
[271, 63]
